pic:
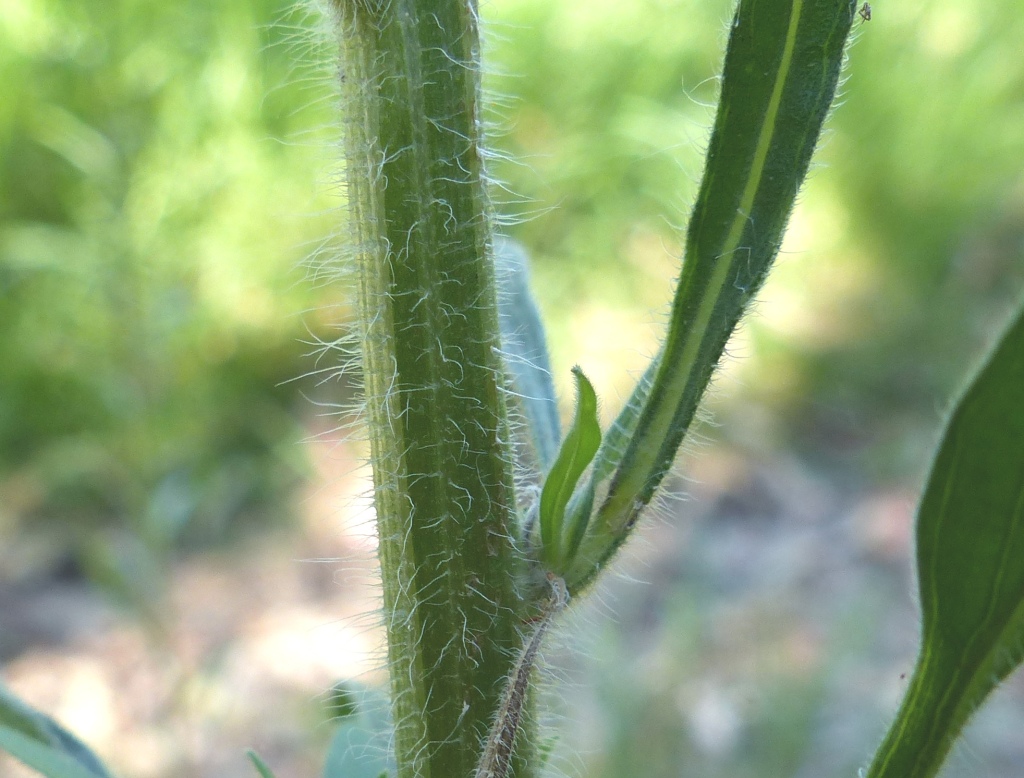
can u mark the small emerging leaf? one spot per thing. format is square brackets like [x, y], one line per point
[576, 453]
[970, 559]
[42, 743]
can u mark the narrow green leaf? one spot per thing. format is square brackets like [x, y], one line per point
[576, 453]
[259, 764]
[617, 438]
[781, 70]
[42, 743]
[526, 352]
[48, 760]
[970, 561]
[577, 518]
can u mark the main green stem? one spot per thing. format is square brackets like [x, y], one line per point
[433, 377]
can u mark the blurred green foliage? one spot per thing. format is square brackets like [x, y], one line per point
[157, 175]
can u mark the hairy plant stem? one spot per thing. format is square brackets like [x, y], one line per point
[433, 377]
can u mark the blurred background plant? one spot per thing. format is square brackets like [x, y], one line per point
[153, 196]
[164, 173]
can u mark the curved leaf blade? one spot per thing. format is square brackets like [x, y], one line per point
[782, 66]
[576, 453]
[43, 744]
[49, 761]
[970, 558]
[524, 344]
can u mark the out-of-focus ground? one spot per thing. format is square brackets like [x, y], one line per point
[186, 554]
[248, 644]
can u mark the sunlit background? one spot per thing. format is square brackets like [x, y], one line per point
[186, 564]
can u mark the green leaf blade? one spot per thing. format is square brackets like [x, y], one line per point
[781, 71]
[49, 761]
[574, 456]
[42, 743]
[261, 767]
[970, 557]
[524, 343]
